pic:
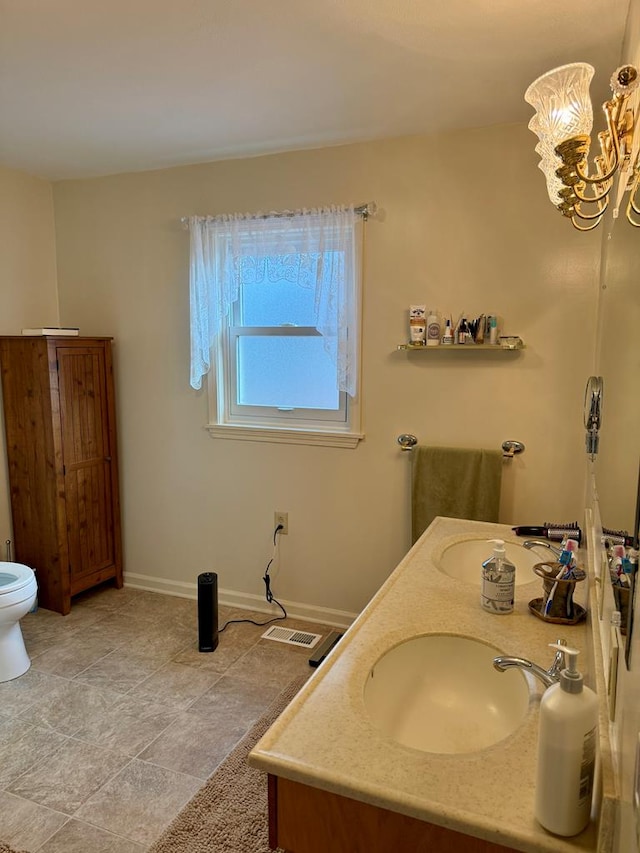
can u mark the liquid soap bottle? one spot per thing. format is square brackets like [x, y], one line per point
[498, 581]
[566, 751]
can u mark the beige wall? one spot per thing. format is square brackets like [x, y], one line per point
[27, 276]
[466, 225]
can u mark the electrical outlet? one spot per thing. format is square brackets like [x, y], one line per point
[281, 519]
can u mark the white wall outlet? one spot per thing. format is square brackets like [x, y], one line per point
[281, 519]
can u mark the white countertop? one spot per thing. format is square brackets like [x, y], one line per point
[325, 737]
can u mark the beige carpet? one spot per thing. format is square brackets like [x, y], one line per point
[4, 848]
[228, 814]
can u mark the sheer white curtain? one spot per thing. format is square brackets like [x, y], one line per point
[314, 248]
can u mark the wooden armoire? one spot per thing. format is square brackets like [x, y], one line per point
[60, 427]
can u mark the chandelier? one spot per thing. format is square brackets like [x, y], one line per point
[563, 123]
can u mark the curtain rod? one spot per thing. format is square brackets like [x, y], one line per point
[365, 210]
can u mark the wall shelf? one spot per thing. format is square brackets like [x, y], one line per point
[514, 345]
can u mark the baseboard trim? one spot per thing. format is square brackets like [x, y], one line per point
[243, 600]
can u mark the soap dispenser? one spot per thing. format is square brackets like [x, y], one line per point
[498, 581]
[567, 740]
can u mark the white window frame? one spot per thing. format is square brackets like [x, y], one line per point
[303, 426]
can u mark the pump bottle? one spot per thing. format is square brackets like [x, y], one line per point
[498, 581]
[567, 741]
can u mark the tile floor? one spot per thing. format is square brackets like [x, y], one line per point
[120, 719]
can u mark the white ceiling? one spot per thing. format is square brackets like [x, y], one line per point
[94, 87]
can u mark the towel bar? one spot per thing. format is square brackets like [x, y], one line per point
[407, 442]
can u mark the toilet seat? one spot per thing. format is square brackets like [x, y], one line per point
[14, 576]
[18, 591]
[17, 584]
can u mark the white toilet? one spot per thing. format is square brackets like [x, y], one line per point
[18, 590]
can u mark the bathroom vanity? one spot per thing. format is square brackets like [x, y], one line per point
[341, 780]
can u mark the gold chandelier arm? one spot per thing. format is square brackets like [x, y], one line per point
[635, 222]
[587, 217]
[631, 205]
[586, 227]
[594, 199]
[609, 108]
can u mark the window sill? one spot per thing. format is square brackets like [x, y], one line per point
[285, 436]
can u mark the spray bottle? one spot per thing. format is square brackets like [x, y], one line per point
[498, 581]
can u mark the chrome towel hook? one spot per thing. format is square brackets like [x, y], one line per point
[407, 441]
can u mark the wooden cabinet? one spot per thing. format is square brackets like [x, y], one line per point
[303, 819]
[59, 417]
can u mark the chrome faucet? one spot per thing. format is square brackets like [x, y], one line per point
[547, 676]
[531, 543]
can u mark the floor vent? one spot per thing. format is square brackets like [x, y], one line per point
[291, 637]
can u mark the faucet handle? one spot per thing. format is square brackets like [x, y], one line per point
[559, 661]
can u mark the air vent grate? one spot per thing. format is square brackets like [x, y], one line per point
[291, 637]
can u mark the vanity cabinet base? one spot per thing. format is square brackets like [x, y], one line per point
[303, 819]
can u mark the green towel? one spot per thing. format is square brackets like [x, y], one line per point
[455, 482]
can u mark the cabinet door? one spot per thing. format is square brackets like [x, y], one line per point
[87, 459]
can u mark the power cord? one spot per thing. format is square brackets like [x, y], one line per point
[268, 594]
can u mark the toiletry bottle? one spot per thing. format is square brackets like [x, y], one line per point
[417, 325]
[493, 330]
[433, 329]
[447, 337]
[463, 331]
[498, 581]
[567, 740]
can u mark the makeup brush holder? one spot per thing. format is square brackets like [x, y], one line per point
[557, 604]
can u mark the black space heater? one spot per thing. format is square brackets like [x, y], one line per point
[207, 612]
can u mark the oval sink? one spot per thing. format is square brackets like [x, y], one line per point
[463, 560]
[440, 693]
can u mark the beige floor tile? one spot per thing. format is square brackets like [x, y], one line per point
[72, 656]
[23, 745]
[232, 644]
[26, 825]
[67, 779]
[176, 686]
[129, 665]
[272, 663]
[119, 630]
[236, 699]
[140, 801]
[68, 706]
[44, 629]
[78, 619]
[106, 598]
[22, 693]
[194, 744]
[78, 837]
[129, 725]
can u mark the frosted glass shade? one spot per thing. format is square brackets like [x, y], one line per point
[563, 109]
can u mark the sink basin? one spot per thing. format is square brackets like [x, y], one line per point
[463, 560]
[440, 693]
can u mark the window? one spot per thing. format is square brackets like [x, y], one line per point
[275, 306]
